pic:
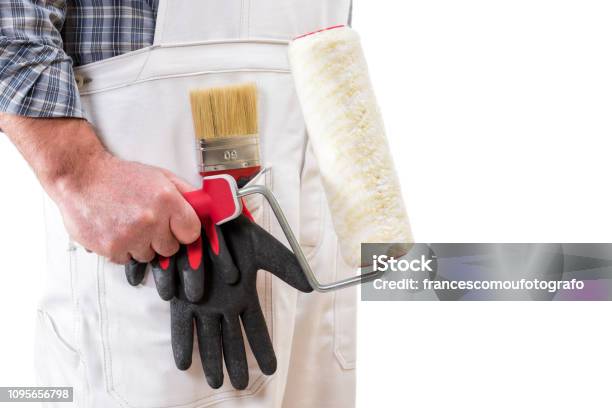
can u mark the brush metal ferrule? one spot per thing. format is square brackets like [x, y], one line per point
[228, 153]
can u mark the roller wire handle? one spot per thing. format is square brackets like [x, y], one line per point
[297, 249]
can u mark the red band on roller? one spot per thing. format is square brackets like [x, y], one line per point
[318, 31]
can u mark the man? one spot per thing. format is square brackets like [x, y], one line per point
[93, 96]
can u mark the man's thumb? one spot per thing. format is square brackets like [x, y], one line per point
[184, 222]
[181, 185]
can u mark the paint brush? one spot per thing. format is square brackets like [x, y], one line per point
[225, 122]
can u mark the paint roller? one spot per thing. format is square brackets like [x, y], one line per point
[348, 138]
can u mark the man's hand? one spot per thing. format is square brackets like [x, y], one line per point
[116, 208]
[122, 209]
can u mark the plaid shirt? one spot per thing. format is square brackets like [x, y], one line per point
[40, 40]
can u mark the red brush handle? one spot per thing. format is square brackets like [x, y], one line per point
[318, 31]
[241, 175]
[215, 203]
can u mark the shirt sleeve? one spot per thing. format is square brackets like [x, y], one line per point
[36, 76]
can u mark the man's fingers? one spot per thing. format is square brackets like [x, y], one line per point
[122, 258]
[181, 185]
[165, 244]
[144, 254]
[184, 222]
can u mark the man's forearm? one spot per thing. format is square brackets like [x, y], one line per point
[58, 150]
[116, 208]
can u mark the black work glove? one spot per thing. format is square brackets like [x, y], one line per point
[218, 314]
[188, 263]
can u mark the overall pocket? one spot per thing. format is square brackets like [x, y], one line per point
[320, 245]
[312, 205]
[52, 350]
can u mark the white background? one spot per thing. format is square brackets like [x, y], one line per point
[499, 114]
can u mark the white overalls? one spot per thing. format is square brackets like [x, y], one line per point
[111, 341]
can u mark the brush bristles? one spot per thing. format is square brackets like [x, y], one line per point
[224, 111]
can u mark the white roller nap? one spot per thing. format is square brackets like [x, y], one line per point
[348, 139]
